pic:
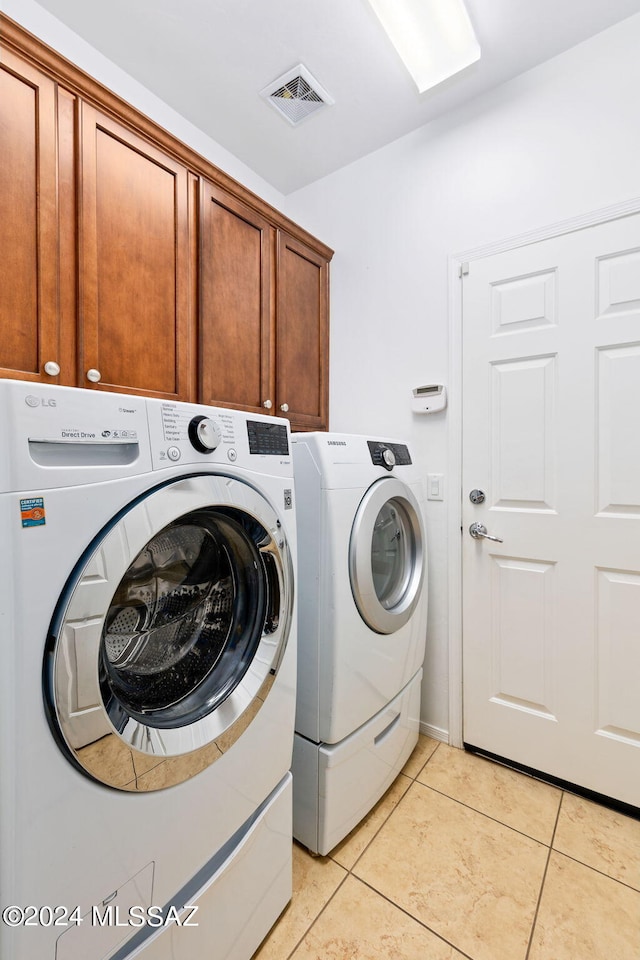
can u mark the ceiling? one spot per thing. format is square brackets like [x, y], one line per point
[209, 59]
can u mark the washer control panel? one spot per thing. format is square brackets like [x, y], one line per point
[270, 439]
[183, 433]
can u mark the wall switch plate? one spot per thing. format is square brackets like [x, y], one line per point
[435, 486]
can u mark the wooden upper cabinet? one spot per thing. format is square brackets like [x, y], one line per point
[132, 264]
[29, 328]
[135, 302]
[302, 345]
[264, 325]
[236, 284]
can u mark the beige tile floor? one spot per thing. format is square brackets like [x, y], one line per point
[464, 858]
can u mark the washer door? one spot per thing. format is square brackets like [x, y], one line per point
[386, 555]
[170, 633]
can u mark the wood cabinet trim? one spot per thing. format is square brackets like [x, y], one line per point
[83, 85]
[67, 235]
[43, 220]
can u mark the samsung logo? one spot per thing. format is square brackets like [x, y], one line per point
[336, 443]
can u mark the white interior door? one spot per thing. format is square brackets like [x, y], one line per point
[551, 435]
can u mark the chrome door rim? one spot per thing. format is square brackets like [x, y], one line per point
[373, 612]
[192, 747]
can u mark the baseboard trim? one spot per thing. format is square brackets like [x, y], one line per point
[436, 733]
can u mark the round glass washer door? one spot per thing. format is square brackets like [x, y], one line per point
[169, 637]
[386, 555]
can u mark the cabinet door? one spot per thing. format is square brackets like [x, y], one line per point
[134, 264]
[236, 333]
[302, 345]
[29, 329]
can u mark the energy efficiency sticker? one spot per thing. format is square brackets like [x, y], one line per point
[33, 512]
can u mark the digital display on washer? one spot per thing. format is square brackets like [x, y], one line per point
[401, 451]
[268, 439]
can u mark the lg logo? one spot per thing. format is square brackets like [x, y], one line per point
[32, 401]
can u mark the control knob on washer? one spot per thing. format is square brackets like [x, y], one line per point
[388, 458]
[204, 434]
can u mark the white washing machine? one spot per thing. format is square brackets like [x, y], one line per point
[147, 690]
[362, 605]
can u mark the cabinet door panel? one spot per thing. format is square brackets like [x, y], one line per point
[302, 334]
[134, 262]
[235, 303]
[28, 236]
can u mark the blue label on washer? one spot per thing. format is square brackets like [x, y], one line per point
[32, 512]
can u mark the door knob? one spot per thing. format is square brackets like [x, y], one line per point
[94, 375]
[52, 368]
[479, 532]
[284, 407]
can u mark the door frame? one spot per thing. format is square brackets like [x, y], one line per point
[458, 265]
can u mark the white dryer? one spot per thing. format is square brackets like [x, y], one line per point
[362, 604]
[147, 690]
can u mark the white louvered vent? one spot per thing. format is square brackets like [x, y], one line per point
[296, 95]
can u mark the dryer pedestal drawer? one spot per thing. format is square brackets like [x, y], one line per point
[335, 785]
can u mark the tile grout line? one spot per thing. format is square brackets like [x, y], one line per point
[393, 809]
[316, 918]
[544, 880]
[379, 893]
[488, 816]
[480, 813]
[412, 917]
[601, 873]
[349, 870]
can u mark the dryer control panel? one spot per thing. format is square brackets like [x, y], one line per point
[389, 455]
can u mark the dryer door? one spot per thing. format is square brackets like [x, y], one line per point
[386, 555]
[170, 632]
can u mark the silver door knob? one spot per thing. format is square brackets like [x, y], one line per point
[94, 375]
[479, 532]
[52, 368]
[284, 407]
[267, 404]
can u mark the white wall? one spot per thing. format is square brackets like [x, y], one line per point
[51, 31]
[557, 142]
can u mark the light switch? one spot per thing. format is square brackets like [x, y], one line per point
[435, 485]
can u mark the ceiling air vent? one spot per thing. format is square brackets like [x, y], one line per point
[296, 95]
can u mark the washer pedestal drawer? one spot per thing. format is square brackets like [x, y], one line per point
[240, 902]
[335, 785]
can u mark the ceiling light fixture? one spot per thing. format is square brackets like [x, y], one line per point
[434, 38]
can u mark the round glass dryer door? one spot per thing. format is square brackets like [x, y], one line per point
[386, 555]
[169, 637]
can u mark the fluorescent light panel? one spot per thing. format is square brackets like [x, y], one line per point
[434, 38]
